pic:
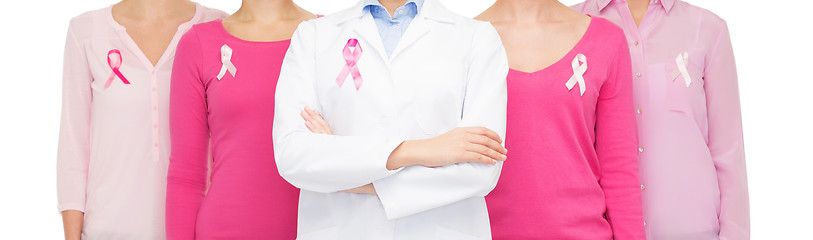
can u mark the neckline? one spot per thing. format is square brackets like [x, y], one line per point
[222, 29]
[570, 53]
[128, 40]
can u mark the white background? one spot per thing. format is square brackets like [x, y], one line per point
[773, 42]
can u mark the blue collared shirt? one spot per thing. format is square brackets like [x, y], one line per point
[392, 28]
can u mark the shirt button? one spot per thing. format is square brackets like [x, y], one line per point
[155, 145]
[635, 43]
[638, 74]
[155, 126]
[154, 107]
[643, 187]
[639, 111]
[154, 89]
[644, 223]
[395, 26]
[641, 149]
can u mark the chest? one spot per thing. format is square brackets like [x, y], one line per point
[250, 88]
[152, 38]
[534, 47]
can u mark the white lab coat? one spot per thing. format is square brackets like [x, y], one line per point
[447, 71]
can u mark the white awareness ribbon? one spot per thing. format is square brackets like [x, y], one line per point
[225, 57]
[682, 61]
[578, 73]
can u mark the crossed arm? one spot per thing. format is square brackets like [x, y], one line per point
[466, 144]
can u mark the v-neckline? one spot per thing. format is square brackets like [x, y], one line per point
[566, 56]
[133, 46]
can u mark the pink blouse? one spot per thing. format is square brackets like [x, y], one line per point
[223, 91]
[114, 135]
[687, 102]
[572, 169]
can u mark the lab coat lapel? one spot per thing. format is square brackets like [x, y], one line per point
[431, 11]
[368, 32]
[414, 32]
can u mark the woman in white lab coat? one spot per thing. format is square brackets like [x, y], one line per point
[418, 128]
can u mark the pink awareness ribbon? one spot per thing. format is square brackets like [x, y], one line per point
[114, 61]
[682, 61]
[579, 65]
[351, 60]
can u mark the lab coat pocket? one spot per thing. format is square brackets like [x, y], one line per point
[680, 97]
[450, 234]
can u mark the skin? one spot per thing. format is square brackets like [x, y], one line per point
[266, 20]
[535, 33]
[638, 9]
[465, 144]
[152, 25]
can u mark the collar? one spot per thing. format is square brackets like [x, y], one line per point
[666, 4]
[418, 3]
[430, 9]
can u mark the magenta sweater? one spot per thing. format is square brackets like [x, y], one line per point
[247, 198]
[572, 169]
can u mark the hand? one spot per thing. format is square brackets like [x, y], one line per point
[464, 144]
[315, 122]
[366, 189]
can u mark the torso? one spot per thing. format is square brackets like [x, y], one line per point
[129, 126]
[239, 112]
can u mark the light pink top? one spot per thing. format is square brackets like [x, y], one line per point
[572, 169]
[114, 141]
[692, 159]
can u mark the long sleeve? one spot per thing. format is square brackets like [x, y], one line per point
[616, 147]
[416, 188]
[318, 162]
[725, 138]
[189, 131]
[73, 154]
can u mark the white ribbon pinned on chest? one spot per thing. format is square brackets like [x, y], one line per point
[225, 58]
[579, 65]
[682, 61]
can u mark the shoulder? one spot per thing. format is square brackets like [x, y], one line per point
[709, 18]
[209, 31]
[90, 23]
[588, 6]
[198, 32]
[606, 31]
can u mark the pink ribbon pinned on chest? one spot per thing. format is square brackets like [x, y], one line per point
[114, 61]
[351, 59]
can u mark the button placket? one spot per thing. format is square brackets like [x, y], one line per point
[155, 117]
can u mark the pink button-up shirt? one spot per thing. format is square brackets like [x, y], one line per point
[690, 128]
[114, 140]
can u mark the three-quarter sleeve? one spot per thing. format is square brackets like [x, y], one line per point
[73, 154]
[189, 131]
[616, 147]
[319, 162]
[725, 138]
[417, 188]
